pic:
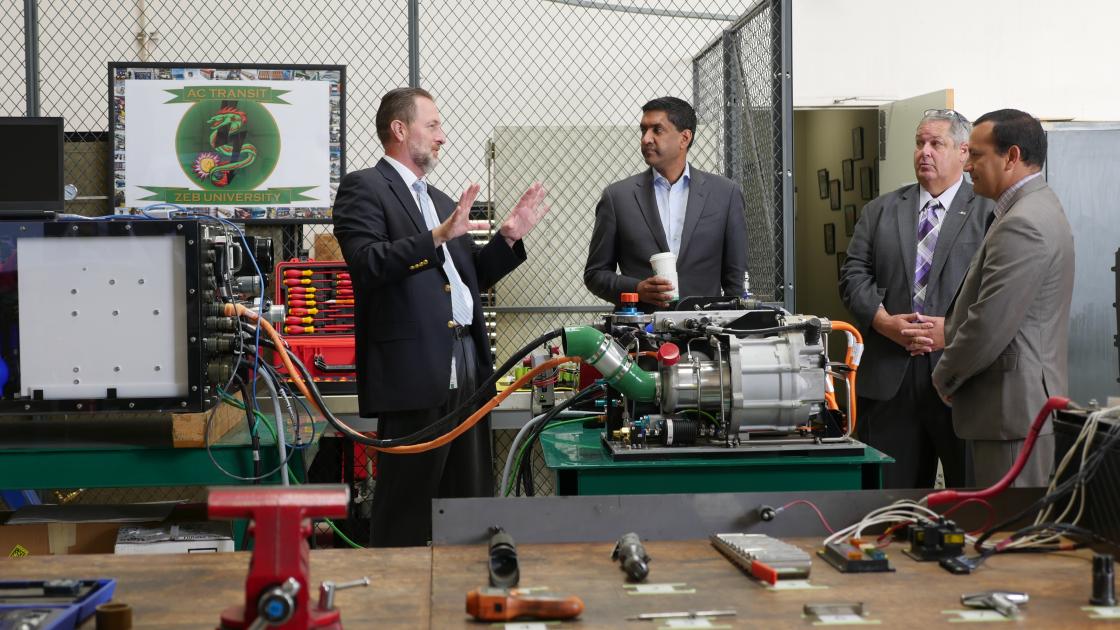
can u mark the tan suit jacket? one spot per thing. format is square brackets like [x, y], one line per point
[1007, 332]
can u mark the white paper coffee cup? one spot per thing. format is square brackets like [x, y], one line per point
[665, 265]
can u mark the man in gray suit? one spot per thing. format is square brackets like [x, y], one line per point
[1007, 332]
[671, 207]
[906, 259]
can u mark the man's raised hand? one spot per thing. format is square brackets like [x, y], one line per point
[458, 223]
[530, 209]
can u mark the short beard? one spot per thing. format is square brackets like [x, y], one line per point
[427, 161]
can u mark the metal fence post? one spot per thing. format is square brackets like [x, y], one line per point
[729, 104]
[414, 43]
[784, 77]
[31, 55]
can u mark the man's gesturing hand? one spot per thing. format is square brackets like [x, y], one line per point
[529, 210]
[457, 224]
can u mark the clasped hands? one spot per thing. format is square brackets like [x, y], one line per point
[530, 209]
[917, 333]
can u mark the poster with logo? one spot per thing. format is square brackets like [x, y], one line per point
[241, 143]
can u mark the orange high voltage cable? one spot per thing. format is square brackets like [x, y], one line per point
[480, 414]
[238, 309]
[851, 359]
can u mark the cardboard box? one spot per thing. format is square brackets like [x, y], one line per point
[40, 539]
[327, 248]
[72, 529]
[188, 429]
[177, 538]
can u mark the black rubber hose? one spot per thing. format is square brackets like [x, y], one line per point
[438, 427]
[254, 437]
[524, 473]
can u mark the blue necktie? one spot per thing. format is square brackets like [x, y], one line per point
[462, 303]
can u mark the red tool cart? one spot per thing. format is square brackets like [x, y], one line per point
[318, 300]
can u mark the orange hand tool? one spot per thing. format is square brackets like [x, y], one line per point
[502, 604]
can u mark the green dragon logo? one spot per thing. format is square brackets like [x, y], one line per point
[227, 145]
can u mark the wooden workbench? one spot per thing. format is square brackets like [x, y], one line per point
[425, 587]
[181, 591]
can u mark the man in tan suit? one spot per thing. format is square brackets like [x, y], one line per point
[906, 260]
[1007, 333]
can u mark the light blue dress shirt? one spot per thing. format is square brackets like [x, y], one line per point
[672, 203]
[462, 300]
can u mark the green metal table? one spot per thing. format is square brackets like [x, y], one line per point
[582, 466]
[126, 466]
[123, 466]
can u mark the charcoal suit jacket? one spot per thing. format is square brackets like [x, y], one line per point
[403, 298]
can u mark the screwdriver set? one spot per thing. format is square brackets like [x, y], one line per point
[318, 301]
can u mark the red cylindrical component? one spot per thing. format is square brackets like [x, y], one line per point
[297, 273]
[299, 330]
[303, 311]
[298, 320]
[668, 354]
[301, 302]
[292, 290]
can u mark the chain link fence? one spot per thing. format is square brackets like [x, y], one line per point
[741, 87]
[13, 101]
[545, 90]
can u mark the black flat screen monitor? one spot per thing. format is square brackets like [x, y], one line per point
[32, 179]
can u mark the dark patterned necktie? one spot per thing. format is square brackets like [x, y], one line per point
[929, 226]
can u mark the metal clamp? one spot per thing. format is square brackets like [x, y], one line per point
[1005, 603]
[327, 590]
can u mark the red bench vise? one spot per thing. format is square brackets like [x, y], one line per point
[277, 591]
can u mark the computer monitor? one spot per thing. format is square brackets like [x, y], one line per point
[32, 179]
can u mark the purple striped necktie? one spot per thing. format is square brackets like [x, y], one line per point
[929, 225]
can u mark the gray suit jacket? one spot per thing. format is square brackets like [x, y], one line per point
[1007, 333]
[880, 270]
[628, 230]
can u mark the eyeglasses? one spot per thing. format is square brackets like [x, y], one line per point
[945, 113]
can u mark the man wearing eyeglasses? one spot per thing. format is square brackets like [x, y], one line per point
[1007, 333]
[907, 257]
